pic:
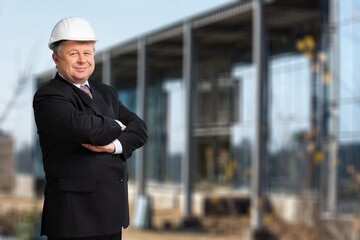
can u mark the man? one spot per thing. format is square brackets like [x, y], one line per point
[85, 138]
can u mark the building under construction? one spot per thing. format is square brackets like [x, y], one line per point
[251, 99]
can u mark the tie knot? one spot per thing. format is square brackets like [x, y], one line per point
[86, 89]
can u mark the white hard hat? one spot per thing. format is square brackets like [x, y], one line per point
[72, 28]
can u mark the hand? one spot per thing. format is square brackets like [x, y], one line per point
[110, 148]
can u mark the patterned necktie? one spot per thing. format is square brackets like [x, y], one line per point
[86, 89]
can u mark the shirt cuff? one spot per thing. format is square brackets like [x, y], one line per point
[118, 147]
[121, 125]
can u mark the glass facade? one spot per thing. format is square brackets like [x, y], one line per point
[243, 130]
[289, 117]
[289, 114]
[349, 104]
[164, 111]
[216, 111]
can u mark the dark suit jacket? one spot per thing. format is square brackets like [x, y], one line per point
[85, 192]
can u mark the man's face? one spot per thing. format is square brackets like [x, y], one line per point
[76, 60]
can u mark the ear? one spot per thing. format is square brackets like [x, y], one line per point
[55, 58]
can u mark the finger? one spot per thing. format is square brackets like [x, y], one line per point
[89, 147]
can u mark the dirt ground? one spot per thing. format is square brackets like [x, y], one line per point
[229, 228]
[167, 226]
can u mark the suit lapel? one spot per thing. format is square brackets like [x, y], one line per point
[102, 100]
[98, 100]
[87, 100]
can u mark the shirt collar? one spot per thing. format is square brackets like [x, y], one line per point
[78, 85]
[86, 83]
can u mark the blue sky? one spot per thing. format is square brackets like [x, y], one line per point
[26, 26]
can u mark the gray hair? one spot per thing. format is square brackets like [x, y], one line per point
[57, 47]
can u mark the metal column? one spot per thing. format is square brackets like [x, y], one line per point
[106, 72]
[259, 154]
[188, 120]
[141, 83]
[143, 209]
[334, 108]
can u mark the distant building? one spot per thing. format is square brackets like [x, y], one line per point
[7, 163]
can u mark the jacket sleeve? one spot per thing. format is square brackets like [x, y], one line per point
[56, 114]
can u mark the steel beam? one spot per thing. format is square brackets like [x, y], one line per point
[261, 135]
[332, 199]
[188, 159]
[141, 85]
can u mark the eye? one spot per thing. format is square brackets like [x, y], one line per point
[72, 54]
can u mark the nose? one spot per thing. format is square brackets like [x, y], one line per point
[81, 58]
